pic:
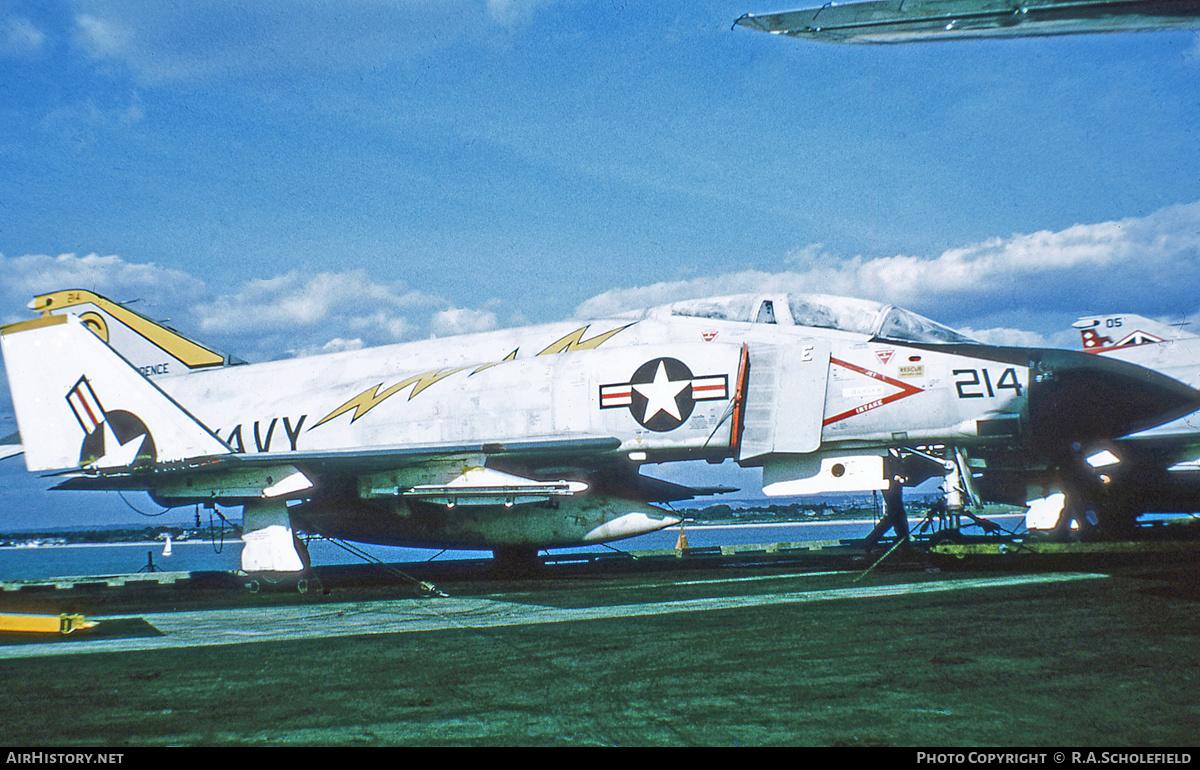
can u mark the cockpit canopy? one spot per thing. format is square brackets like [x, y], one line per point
[825, 311]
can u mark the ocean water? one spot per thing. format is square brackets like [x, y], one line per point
[48, 561]
[52, 561]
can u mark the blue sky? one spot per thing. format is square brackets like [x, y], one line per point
[296, 176]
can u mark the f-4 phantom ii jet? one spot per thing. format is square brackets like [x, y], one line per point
[1154, 470]
[533, 438]
[907, 21]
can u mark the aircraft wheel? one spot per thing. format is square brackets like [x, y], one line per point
[945, 536]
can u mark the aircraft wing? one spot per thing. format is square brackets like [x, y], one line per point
[274, 474]
[565, 451]
[906, 21]
[10, 446]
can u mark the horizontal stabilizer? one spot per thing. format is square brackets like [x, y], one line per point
[10, 446]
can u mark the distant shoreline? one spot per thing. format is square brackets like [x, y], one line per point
[160, 544]
[687, 524]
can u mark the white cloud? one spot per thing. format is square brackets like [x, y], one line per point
[1013, 290]
[1146, 264]
[291, 314]
[32, 274]
[172, 42]
[1004, 336]
[462, 321]
[19, 37]
[102, 38]
[307, 313]
[335, 345]
[86, 121]
[511, 12]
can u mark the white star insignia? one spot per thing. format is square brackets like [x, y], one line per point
[116, 454]
[660, 394]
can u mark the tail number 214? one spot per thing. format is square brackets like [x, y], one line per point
[977, 383]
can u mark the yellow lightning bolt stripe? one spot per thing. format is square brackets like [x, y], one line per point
[574, 341]
[425, 380]
[510, 357]
[361, 404]
[371, 397]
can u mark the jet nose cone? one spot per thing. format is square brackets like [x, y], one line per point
[1081, 397]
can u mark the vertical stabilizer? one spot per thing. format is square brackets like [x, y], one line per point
[1100, 333]
[152, 348]
[79, 404]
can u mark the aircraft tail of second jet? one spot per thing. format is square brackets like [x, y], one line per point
[152, 347]
[81, 405]
[1099, 333]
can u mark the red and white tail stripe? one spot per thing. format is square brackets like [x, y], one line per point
[86, 406]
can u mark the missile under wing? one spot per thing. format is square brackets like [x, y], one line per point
[906, 21]
[523, 439]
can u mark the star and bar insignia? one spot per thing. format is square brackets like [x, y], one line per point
[662, 393]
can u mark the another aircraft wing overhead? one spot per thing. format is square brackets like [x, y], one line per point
[906, 21]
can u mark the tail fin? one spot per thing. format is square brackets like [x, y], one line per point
[152, 348]
[79, 404]
[1105, 332]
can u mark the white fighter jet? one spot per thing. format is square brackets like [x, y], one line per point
[525, 439]
[907, 21]
[1154, 470]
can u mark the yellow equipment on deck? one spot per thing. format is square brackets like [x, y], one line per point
[43, 624]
